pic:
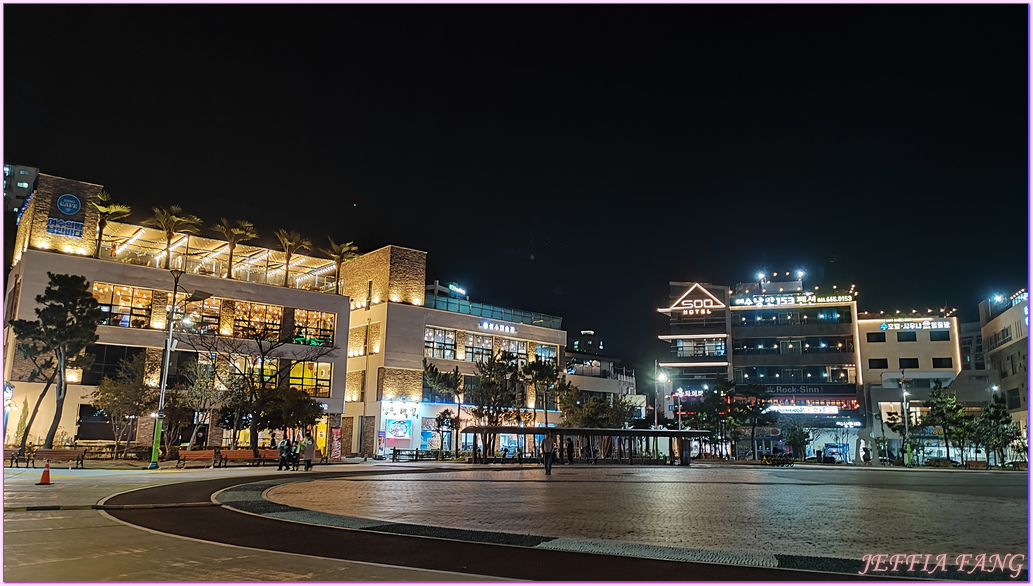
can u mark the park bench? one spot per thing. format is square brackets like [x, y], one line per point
[11, 455]
[209, 456]
[976, 465]
[77, 455]
[226, 456]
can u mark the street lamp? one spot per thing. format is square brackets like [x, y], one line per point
[657, 379]
[903, 404]
[195, 296]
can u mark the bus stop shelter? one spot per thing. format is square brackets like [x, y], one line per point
[615, 446]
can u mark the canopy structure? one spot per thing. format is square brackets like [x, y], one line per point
[606, 444]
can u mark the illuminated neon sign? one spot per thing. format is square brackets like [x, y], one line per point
[805, 409]
[801, 299]
[899, 324]
[456, 289]
[494, 327]
[702, 303]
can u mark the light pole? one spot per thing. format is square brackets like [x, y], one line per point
[195, 296]
[903, 404]
[658, 378]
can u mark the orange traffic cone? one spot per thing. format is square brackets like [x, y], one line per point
[45, 479]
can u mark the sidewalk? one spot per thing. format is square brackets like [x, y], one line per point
[74, 542]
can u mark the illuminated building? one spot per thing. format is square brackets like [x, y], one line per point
[18, 185]
[1005, 329]
[57, 233]
[801, 345]
[597, 375]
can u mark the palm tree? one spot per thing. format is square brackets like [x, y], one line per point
[340, 253]
[238, 231]
[107, 211]
[291, 242]
[170, 221]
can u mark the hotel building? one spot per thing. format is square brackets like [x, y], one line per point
[1005, 330]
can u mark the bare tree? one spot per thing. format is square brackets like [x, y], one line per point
[258, 361]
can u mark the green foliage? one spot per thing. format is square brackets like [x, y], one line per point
[23, 418]
[494, 400]
[291, 242]
[753, 402]
[945, 412]
[450, 383]
[107, 211]
[125, 396]
[170, 221]
[289, 409]
[66, 322]
[796, 437]
[234, 233]
[340, 254]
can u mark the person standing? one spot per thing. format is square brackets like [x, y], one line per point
[285, 454]
[570, 451]
[308, 450]
[548, 445]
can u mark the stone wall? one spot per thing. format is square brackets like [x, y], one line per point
[399, 384]
[44, 205]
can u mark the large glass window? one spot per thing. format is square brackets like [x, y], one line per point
[700, 347]
[478, 348]
[261, 372]
[257, 321]
[517, 348]
[198, 317]
[907, 336]
[127, 307]
[311, 377]
[547, 353]
[313, 328]
[439, 343]
[940, 336]
[876, 336]
[908, 363]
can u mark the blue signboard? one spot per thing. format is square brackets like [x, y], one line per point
[68, 204]
[60, 227]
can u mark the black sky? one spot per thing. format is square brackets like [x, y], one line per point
[563, 159]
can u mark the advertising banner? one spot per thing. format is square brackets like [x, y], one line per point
[335, 443]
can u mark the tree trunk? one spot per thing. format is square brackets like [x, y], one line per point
[287, 270]
[35, 409]
[753, 438]
[337, 279]
[168, 258]
[229, 268]
[61, 391]
[101, 223]
[193, 435]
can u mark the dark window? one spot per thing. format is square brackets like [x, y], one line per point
[943, 363]
[940, 336]
[907, 336]
[1013, 399]
[878, 363]
[106, 360]
[908, 363]
[876, 336]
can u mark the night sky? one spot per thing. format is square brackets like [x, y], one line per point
[569, 160]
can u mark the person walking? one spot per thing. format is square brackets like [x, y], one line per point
[308, 450]
[548, 445]
[570, 451]
[285, 454]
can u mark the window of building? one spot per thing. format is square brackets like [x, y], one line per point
[257, 321]
[127, 307]
[23, 185]
[907, 336]
[313, 328]
[106, 360]
[940, 336]
[700, 347]
[878, 363]
[876, 336]
[196, 317]
[478, 348]
[908, 363]
[260, 372]
[547, 353]
[311, 377]
[943, 363]
[438, 343]
[1013, 399]
[518, 348]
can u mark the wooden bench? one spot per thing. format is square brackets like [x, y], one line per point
[226, 456]
[185, 456]
[11, 454]
[976, 465]
[78, 455]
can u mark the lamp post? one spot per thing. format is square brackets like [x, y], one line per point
[195, 296]
[658, 378]
[903, 404]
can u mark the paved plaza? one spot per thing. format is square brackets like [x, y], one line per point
[666, 522]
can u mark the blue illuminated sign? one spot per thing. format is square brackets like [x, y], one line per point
[68, 204]
[59, 227]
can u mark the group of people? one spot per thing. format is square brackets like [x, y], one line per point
[292, 454]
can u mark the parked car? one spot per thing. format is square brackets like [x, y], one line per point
[942, 463]
[1017, 465]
